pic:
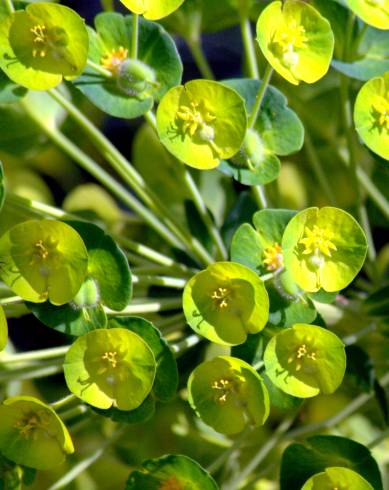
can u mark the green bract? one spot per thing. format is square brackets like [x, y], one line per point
[371, 115]
[32, 434]
[43, 260]
[152, 9]
[296, 40]
[373, 12]
[110, 368]
[225, 302]
[3, 329]
[228, 394]
[2, 186]
[171, 472]
[323, 248]
[42, 44]
[305, 360]
[337, 477]
[277, 131]
[202, 122]
[134, 84]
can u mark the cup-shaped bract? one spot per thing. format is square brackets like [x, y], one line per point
[171, 472]
[3, 329]
[32, 434]
[373, 12]
[296, 40]
[371, 115]
[323, 248]
[228, 394]
[337, 477]
[45, 42]
[305, 360]
[110, 368]
[43, 260]
[202, 122]
[152, 9]
[226, 302]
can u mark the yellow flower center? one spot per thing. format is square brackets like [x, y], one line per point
[318, 240]
[220, 297]
[223, 387]
[301, 354]
[111, 358]
[29, 424]
[381, 111]
[288, 39]
[171, 484]
[273, 258]
[195, 118]
[43, 249]
[111, 61]
[40, 40]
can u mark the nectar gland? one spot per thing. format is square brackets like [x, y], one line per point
[112, 61]
[30, 423]
[318, 241]
[290, 38]
[381, 112]
[302, 353]
[171, 484]
[220, 297]
[40, 40]
[273, 258]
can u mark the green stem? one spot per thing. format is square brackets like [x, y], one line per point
[83, 465]
[100, 69]
[258, 192]
[234, 483]
[260, 96]
[249, 47]
[330, 422]
[11, 300]
[132, 177]
[364, 217]
[145, 305]
[35, 355]
[375, 195]
[38, 208]
[169, 282]
[107, 5]
[178, 318]
[182, 346]
[196, 49]
[134, 36]
[73, 412]
[219, 462]
[321, 177]
[354, 337]
[205, 216]
[9, 6]
[63, 402]
[375, 442]
[103, 177]
[34, 371]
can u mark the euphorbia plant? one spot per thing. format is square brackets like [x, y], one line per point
[212, 302]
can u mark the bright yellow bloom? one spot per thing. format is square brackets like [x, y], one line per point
[114, 59]
[318, 240]
[273, 258]
[195, 117]
[381, 110]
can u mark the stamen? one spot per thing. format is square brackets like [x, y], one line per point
[40, 38]
[30, 424]
[318, 241]
[111, 357]
[273, 258]
[196, 118]
[114, 59]
[381, 111]
[171, 484]
[223, 386]
[220, 295]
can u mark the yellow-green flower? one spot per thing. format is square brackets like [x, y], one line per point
[296, 40]
[152, 9]
[373, 12]
[337, 478]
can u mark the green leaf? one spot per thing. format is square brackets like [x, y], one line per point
[3, 329]
[225, 303]
[228, 394]
[296, 40]
[10, 92]
[43, 260]
[32, 434]
[107, 265]
[110, 368]
[166, 377]
[305, 360]
[110, 46]
[173, 471]
[143, 413]
[364, 69]
[301, 461]
[278, 398]
[202, 123]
